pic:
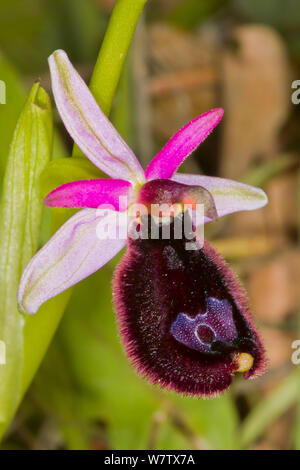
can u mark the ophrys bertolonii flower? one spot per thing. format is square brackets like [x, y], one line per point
[182, 314]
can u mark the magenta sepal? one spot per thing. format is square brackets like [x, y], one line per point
[182, 144]
[91, 193]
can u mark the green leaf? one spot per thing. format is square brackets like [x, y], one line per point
[213, 420]
[10, 110]
[20, 213]
[269, 409]
[65, 170]
[57, 393]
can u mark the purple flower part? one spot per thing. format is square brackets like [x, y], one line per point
[90, 193]
[88, 125]
[170, 192]
[229, 196]
[72, 254]
[182, 144]
[158, 280]
[199, 333]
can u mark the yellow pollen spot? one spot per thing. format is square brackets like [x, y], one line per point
[244, 362]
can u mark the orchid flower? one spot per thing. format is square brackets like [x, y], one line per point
[182, 314]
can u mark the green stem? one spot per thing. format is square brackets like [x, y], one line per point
[114, 50]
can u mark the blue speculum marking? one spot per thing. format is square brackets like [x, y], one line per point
[216, 324]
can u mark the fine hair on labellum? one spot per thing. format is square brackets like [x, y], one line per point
[183, 316]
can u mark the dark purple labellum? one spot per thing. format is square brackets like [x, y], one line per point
[183, 317]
